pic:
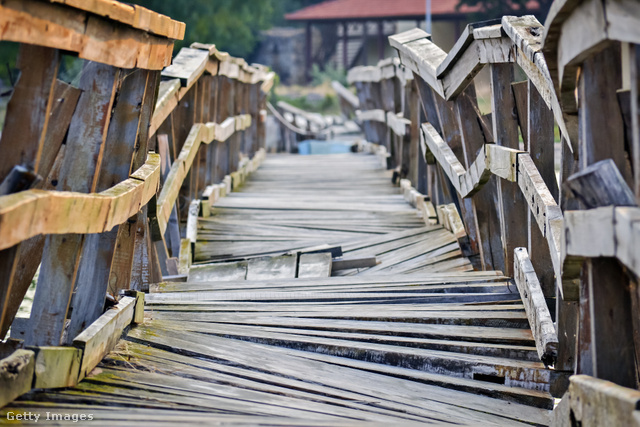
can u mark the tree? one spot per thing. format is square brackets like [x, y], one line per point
[232, 25]
[490, 9]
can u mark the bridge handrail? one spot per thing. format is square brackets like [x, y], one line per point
[589, 46]
[206, 99]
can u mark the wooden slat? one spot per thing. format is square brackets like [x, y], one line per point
[16, 375]
[93, 213]
[101, 336]
[91, 37]
[535, 305]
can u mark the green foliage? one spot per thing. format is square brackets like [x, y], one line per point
[329, 74]
[491, 9]
[232, 25]
[329, 103]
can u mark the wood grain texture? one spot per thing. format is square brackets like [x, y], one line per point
[90, 36]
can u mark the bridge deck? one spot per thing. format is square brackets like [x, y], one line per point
[252, 340]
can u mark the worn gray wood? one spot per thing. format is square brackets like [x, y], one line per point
[87, 133]
[600, 184]
[536, 307]
[314, 265]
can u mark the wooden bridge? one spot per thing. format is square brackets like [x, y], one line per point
[440, 273]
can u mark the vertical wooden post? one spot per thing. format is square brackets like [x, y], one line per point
[94, 266]
[308, 44]
[485, 213]
[364, 43]
[415, 152]
[540, 144]
[505, 131]
[605, 336]
[213, 146]
[131, 242]
[345, 46]
[22, 142]
[381, 40]
[86, 137]
[25, 258]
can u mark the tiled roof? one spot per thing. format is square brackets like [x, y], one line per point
[357, 9]
[372, 9]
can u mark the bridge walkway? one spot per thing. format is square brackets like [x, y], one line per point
[264, 333]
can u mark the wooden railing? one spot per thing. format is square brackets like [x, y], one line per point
[573, 247]
[381, 91]
[97, 175]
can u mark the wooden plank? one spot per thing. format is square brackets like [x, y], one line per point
[185, 256]
[16, 375]
[272, 268]
[29, 109]
[420, 55]
[91, 37]
[134, 15]
[106, 209]
[188, 65]
[218, 272]
[535, 305]
[345, 264]
[56, 367]
[314, 265]
[540, 144]
[596, 402]
[600, 184]
[505, 131]
[87, 133]
[102, 335]
[138, 314]
[94, 268]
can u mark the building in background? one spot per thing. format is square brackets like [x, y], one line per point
[354, 32]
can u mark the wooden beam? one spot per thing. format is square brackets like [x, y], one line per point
[535, 305]
[86, 137]
[16, 375]
[103, 334]
[90, 36]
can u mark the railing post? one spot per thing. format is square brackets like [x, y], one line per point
[86, 139]
[505, 131]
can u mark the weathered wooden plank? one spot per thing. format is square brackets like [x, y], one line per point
[594, 402]
[600, 184]
[535, 305]
[87, 133]
[102, 335]
[505, 131]
[188, 65]
[16, 375]
[94, 268]
[134, 15]
[48, 210]
[345, 264]
[90, 36]
[272, 267]
[56, 367]
[314, 265]
[29, 109]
